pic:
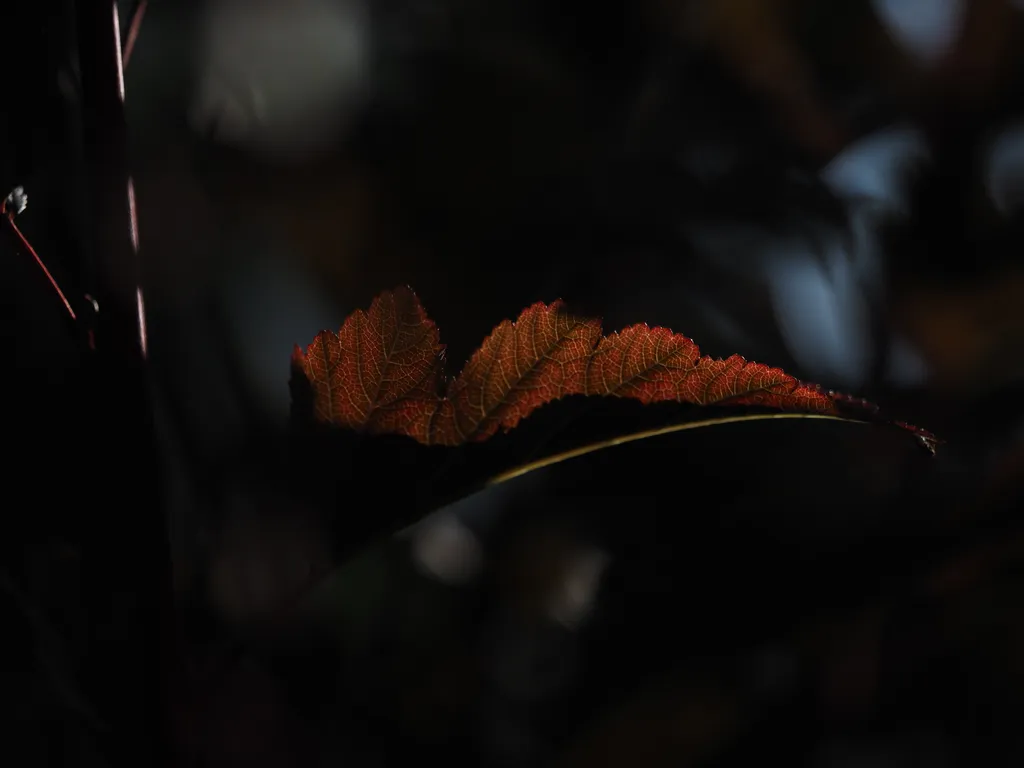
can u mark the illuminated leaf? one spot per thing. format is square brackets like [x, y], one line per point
[383, 373]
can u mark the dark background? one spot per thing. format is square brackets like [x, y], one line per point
[188, 580]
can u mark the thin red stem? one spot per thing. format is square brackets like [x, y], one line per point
[133, 31]
[28, 247]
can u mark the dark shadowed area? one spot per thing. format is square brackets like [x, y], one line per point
[194, 575]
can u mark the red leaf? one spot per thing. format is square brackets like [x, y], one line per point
[382, 373]
[381, 369]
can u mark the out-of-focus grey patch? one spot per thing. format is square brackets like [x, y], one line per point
[574, 598]
[927, 29]
[821, 298]
[263, 557]
[774, 672]
[282, 79]
[866, 258]
[733, 248]
[223, 111]
[445, 549]
[530, 661]
[709, 162]
[67, 84]
[872, 169]
[269, 308]
[823, 315]
[1004, 170]
[907, 367]
[871, 175]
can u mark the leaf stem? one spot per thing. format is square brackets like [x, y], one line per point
[9, 217]
[558, 458]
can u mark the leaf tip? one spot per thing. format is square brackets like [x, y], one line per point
[924, 438]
